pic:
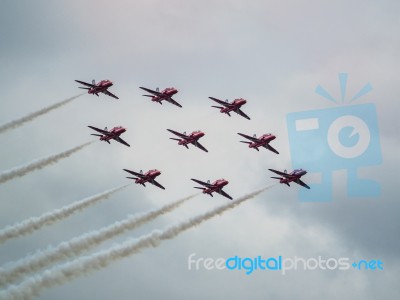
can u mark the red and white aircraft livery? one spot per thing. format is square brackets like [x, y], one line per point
[192, 138]
[216, 186]
[229, 107]
[96, 88]
[146, 177]
[166, 95]
[262, 141]
[294, 176]
[113, 134]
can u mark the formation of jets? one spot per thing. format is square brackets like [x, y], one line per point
[192, 138]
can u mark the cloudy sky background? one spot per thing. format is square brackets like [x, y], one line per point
[273, 54]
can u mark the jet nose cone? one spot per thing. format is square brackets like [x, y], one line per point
[244, 101]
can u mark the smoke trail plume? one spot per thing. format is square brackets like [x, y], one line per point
[68, 271]
[38, 164]
[85, 242]
[34, 115]
[35, 223]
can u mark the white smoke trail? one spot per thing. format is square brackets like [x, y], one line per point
[38, 164]
[85, 242]
[34, 115]
[68, 271]
[35, 223]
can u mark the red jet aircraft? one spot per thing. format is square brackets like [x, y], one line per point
[216, 186]
[166, 95]
[229, 107]
[262, 141]
[96, 88]
[294, 176]
[192, 138]
[146, 177]
[112, 134]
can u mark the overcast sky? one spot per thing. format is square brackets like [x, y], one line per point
[272, 53]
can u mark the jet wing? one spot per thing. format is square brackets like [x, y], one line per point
[270, 148]
[110, 94]
[202, 183]
[280, 173]
[100, 130]
[134, 173]
[298, 181]
[240, 112]
[118, 139]
[157, 184]
[151, 91]
[221, 192]
[249, 137]
[85, 83]
[172, 101]
[200, 146]
[181, 135]
[220, 101]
